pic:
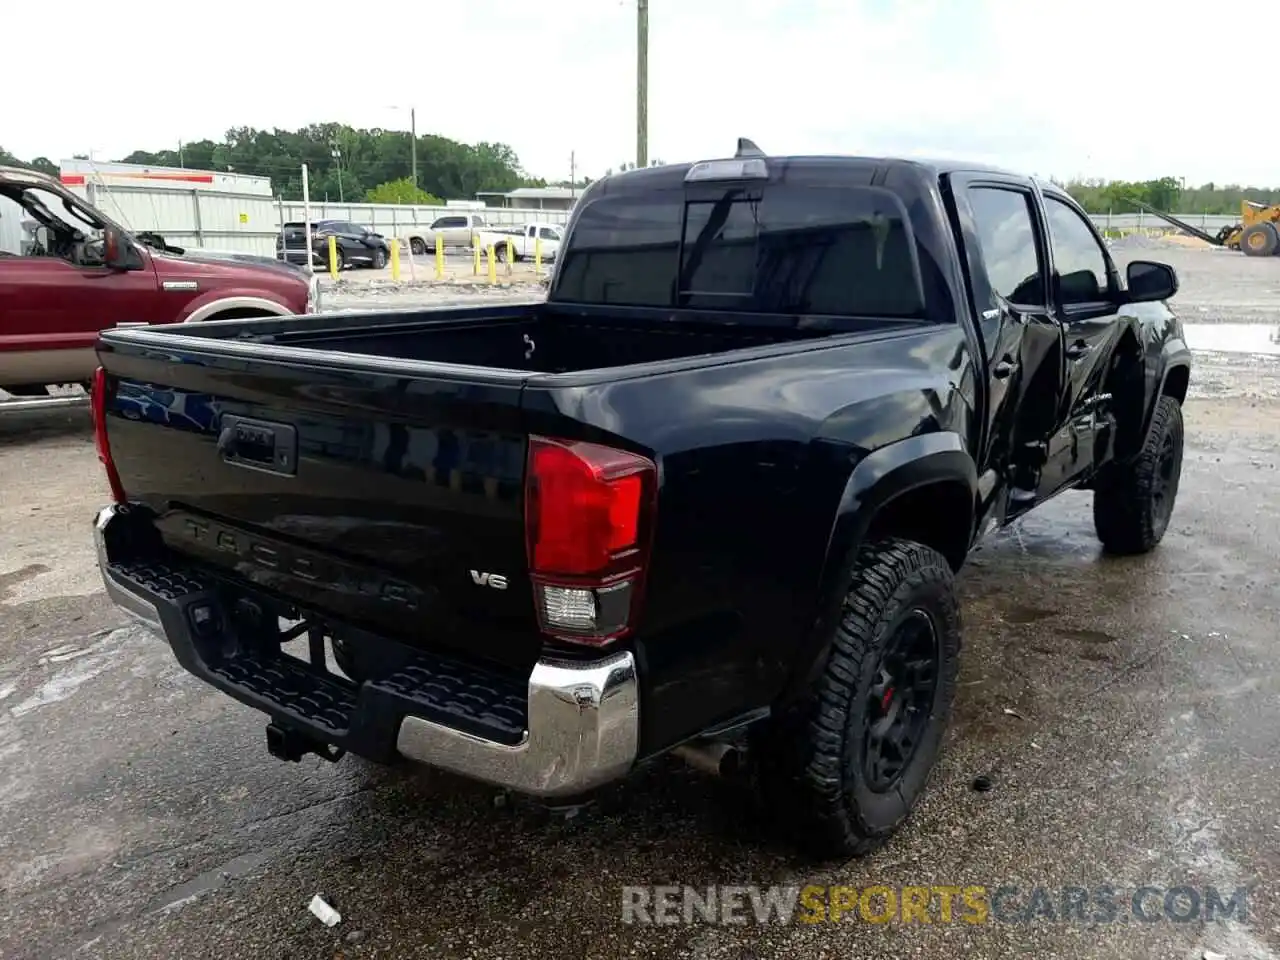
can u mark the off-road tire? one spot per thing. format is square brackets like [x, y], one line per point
[809, 761]
[1128, 515]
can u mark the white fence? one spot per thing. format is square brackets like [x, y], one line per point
[248, 224]
[389, 218]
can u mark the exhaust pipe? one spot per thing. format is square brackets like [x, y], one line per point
[717, 759]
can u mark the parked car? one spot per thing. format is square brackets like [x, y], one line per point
[708, 498]
[454, 229]
[357, 246]
[521, 243]
[68, 271]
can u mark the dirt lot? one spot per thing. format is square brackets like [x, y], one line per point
[1124, 711]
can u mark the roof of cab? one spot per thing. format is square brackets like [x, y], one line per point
[669, 174]
[25, 175]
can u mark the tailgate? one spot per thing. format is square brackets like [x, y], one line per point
[392, 503]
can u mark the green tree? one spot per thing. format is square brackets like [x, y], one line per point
[41, 164]
[400, 191]
[364, 160]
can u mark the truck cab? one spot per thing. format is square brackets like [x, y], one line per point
[67, 272]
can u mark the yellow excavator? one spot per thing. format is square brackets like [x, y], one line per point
[1257, 234]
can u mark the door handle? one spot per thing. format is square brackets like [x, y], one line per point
[1004, 369]
[1078, 350]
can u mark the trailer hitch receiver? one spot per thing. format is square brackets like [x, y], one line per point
[292, 745]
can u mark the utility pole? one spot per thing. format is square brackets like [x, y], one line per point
[181, 163]
[642, 83]
[573, 175]
[413, 144]
[336, 152]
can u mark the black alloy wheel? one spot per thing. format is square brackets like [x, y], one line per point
[900, 700]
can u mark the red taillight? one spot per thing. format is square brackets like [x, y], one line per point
[589, 512]
[98, 402]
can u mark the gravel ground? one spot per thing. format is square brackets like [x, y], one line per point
[1123, 711]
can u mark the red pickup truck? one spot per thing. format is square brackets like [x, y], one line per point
[67, 272]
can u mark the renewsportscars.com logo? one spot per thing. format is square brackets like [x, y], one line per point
[935, 903]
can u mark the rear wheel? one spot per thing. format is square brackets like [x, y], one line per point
[1260, 240]
[417, 246]
[379, 259]
[1132, 502]
[846, 765]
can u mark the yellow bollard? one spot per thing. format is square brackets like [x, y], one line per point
[537, 256]
[493, 265]
[439, 256]
[475, 251]
[511, 254]
[333, 257]
[395, 259]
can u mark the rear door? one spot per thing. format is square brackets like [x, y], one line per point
[454, 230]
[1008, 265]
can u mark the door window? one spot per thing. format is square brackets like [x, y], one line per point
[1007, 238]
[36, 222]
[1078, 257]
[449, 223]
[548, 234]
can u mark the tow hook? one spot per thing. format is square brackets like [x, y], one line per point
[292, 745]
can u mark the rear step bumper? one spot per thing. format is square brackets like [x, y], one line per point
[574, 728]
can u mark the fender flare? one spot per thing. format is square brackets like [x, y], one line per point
[880, 478]
[1174, 355]
[207, 310]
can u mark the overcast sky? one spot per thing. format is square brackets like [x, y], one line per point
[1047, 88]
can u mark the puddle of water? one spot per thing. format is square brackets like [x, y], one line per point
[1252, 338]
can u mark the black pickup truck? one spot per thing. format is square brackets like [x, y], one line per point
[707, 498]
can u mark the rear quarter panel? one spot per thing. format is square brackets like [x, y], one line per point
[754, 460]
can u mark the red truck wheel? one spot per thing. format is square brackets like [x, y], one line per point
[844, 768]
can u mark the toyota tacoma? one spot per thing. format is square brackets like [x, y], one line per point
[708, 497]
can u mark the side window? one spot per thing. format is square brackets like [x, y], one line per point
[477, 220]
[1008, 241]
[17, 229]
[548, 234]
[1077, 255]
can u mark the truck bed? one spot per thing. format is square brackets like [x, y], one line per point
[369, 468]
[530, 338]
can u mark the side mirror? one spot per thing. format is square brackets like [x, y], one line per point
[118, 253]
[1149, 281]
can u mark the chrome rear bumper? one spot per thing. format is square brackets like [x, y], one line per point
[583, 719]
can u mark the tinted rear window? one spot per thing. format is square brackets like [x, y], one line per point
[813, 250]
